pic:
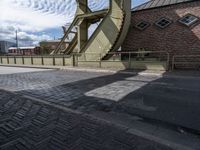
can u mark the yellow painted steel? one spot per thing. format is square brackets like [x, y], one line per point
[108, 36]
[77, 23]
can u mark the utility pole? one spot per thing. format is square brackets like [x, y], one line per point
[17, 44]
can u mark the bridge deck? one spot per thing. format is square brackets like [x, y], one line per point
[53, 102]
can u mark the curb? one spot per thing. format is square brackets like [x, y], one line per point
[27, 66]
[97, 70]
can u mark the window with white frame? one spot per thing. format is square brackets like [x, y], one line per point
[142, 25]
[188, 20]
[163, 23]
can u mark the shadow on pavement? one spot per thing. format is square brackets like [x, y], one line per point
[169, 101]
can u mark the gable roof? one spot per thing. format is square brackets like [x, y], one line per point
[159, 3]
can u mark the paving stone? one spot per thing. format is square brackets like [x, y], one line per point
[26, 123]
[43, 127]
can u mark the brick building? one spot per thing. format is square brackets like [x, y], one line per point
[165, 25]
[48, 46]
[24, 51]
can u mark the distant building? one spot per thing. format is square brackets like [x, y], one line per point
[48, 46]
[54, 43]
[5, 45]
[24, 51]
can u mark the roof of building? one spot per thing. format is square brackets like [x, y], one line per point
[159, 3]
[3, 41]
[54, 41]
[31, 47]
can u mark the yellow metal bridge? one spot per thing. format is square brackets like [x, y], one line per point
[109, 35]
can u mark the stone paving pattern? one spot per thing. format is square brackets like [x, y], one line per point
[170, 102]
[28, 125]
[154, 97]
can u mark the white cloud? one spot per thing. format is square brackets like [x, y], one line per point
[31, 17]
[34, 15]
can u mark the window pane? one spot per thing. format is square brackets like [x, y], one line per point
[163, 22]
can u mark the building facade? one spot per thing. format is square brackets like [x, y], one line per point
[48, 46]
[5, 45]
[24, 51]
[164, 25]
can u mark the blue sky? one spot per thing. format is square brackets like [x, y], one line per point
[38, 20]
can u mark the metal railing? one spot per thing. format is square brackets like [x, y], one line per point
[20, 59]
[187, 60]
[130, 54]
[118, 59]
[129, 57]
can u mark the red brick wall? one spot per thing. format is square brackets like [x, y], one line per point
[175, 39]
[35, 51]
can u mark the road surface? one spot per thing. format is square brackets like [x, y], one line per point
[170, 101]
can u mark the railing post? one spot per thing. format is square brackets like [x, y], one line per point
[168, 62]
[15, 61]
[173, 63]
[42, 59]
[75, 60]
[63, 60]
[72, 61]
[31, 60]
[54, 61]
[23, 60]
[100, 65]
[85, 59]
[129, 60]
[8, 60]
[1, 60]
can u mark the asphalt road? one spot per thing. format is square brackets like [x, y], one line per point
[171, 101]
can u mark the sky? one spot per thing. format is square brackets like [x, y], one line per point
[38, 20]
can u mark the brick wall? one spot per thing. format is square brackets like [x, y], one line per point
[29, 51]
[175, 39]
